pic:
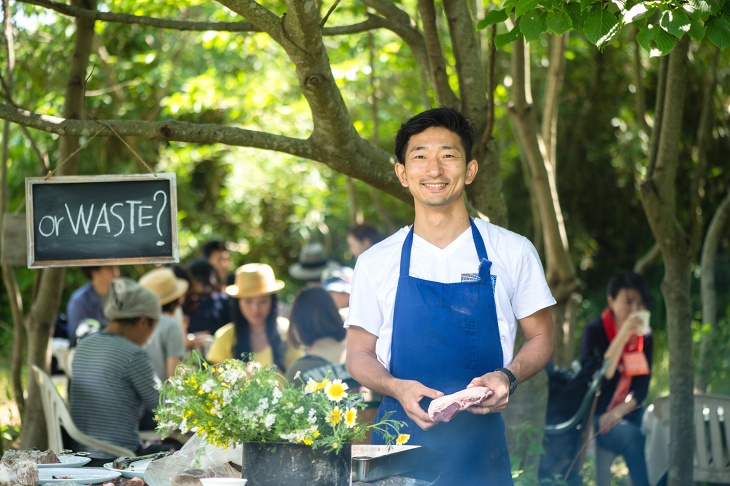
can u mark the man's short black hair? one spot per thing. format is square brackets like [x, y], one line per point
[214, 246]
[89, 271]
[448, 118]
[362, 232]
[629, 280]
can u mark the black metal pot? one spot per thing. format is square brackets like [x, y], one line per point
[283, 463]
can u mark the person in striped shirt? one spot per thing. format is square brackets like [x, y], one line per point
[113, 377]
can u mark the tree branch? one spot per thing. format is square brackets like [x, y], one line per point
[184, 25]
[473, 85]
[445, 96]
[359, 158]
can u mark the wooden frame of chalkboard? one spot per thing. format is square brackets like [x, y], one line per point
[101, 220]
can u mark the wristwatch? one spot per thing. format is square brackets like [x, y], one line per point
[512, 379]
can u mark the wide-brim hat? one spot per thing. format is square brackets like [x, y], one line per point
[164, 284]
[254, 279]
[312, 262]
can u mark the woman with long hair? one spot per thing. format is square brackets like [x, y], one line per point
[255, 326]
[316, 324]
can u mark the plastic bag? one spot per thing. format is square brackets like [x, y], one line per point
[196, 458]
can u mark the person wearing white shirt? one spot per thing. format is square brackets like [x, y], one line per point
[434, 308]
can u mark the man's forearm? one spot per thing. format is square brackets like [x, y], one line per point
[533, 356]
[370, 373]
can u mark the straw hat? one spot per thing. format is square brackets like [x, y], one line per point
[164, 284]
[254, 279]
[312, 262]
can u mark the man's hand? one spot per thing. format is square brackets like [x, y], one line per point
[499, 383]
[410, 393]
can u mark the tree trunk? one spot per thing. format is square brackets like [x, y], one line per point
[559, 270]
[658, 196]
[718, 225]
[48, 298]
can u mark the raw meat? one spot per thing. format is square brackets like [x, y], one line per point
[443, 409]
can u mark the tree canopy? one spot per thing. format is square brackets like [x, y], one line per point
[278, 120]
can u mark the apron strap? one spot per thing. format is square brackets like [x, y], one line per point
[484, 263]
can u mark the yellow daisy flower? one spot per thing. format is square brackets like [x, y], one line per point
[402, 439]
[335, 416]
[351, 418]
[336, 390]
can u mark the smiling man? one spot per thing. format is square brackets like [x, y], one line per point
[434, 308]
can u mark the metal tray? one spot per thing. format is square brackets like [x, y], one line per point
[372, 463]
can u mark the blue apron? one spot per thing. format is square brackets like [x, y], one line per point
[444, 335]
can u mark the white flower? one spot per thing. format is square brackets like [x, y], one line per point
[270, 419]
[208, 386]
[299, 410]
[297, 375]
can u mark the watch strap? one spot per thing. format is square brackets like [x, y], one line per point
[512, 379]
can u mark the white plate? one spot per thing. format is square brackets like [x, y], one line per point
[85, 475]
[135, 470]
[67, 461]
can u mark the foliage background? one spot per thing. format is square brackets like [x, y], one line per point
[267, 204]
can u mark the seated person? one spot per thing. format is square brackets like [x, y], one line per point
[166, 347]
[361, 237]
[316, 323]
[338, 282]
[113, 378]
[255, 326]
[217, 254]
[619, 337]
[85, 308]
[207, 308]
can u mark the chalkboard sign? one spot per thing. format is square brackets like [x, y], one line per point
[101, 220]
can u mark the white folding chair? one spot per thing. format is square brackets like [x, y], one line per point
[57, 416]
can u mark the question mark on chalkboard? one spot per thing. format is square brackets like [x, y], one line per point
[159, 215]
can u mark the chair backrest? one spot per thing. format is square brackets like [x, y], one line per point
[712, 436]
[712, 431]
[580, 417]
[57, 416]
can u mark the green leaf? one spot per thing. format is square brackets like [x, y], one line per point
[696, 30]
[676, 22]
[502, 40]
[637, 12]
[717, 32]
[664, 44]
[706, 6]
[558, 21]
[656, 41]
[646, 37]
[524, 6]
[576, 15]
[493, 17]
[509, 5]
[584, 4]
[601, 27]
[533, 24]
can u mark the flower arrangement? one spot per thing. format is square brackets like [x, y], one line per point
[238, 401]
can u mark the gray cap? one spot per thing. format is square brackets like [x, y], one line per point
[128, 299]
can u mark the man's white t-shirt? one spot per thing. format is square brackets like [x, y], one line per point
[520, 286]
